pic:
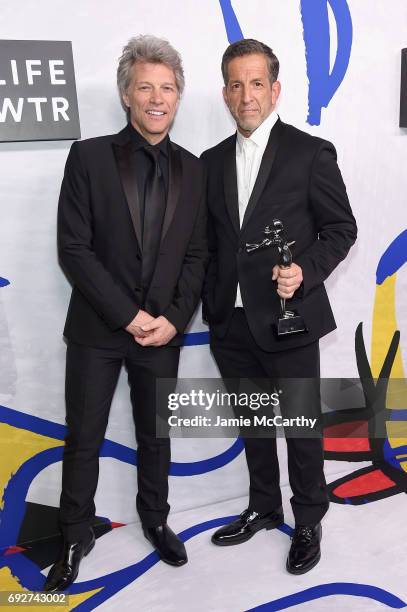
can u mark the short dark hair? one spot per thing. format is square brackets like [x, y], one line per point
[248, 46]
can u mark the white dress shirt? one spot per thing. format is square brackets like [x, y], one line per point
[249, 153]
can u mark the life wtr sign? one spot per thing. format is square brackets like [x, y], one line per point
[37, 91]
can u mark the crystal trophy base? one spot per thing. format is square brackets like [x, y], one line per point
[290, 323]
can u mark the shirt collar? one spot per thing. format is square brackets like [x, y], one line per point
[139, 141]
[261, 135]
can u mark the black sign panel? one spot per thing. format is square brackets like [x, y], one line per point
[37, 91]
[403, 91]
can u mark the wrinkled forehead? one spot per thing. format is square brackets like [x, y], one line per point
[248, 66]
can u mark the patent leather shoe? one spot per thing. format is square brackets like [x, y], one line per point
[305, 551]
[63, 573]
[168, 545]
[244, 527]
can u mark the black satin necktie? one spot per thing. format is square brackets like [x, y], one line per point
[154, 210]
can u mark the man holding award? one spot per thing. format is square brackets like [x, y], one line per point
[279, 223]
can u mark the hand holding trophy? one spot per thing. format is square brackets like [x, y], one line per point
[289, 322]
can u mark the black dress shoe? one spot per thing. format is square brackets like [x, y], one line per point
[244, 528]
[305, 551]
[65, 570]
[168, 545]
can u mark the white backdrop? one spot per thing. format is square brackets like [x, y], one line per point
[361, 120]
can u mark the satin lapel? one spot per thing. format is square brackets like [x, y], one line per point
[174, 187]
[264, 171]
[230, 186]
[123, 154]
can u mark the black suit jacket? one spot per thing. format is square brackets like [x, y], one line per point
[299, 183]
[99, 241]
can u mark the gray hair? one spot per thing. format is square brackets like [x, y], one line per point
[148, 48]
[248, 46]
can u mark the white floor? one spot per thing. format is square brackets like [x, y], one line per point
[363, 545]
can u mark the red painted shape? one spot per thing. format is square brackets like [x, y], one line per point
[349, 437]
[114, 525]
[12, 550]
[364, 484]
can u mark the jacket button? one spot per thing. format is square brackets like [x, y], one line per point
[240, 249]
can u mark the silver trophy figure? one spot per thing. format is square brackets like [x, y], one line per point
[289, 322]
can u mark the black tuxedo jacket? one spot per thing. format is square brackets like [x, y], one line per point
[99, 241]
[299, 183]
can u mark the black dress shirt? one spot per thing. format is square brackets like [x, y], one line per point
[144, 162]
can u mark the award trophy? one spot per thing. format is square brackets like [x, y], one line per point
[289, 322]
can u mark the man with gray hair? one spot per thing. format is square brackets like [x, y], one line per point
[132, 240]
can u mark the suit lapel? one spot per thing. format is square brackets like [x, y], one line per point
[174, 186]
[122, 149]
[264, 171]
[230, 185]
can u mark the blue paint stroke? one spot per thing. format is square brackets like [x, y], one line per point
[322, 83]
[390, 454]
[15, 493]
[119, 451]
[203, 466]
[394, 257]
[286, 529]
[334, 588]
[34, 424]
[16, 490]
[4, 282]
[233, 31]
[31, 578]
[196, 339]
[398, 415]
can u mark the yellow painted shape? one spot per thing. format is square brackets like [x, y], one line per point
[384, 326]
[403, 466]
[16, 447]
[397, 433]
[396, 398]
[8, 582]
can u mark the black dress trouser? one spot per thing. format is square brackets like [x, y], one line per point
[91, 378]
[238, 356]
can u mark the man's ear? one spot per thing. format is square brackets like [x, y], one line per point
[125, 99]
[275, 91]
[225, 95]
